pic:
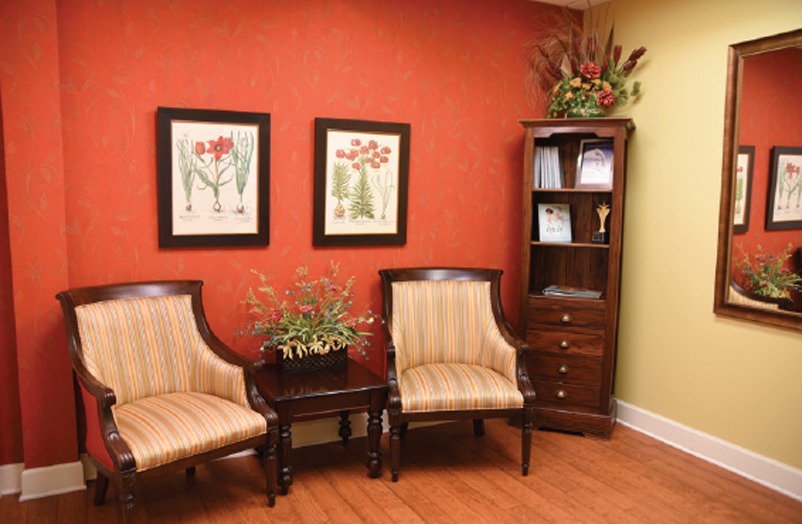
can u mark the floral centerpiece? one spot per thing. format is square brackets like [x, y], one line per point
[766, 274]
[583, 74]
[311, 319]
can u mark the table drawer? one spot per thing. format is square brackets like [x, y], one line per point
[569, 369]
[566, 313]
[554, 394]
[566, 342]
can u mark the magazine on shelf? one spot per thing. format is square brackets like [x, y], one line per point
[568, 291]
[554, 221]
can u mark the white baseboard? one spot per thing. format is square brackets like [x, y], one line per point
[763, 470]
[51, 480]
[10, 475]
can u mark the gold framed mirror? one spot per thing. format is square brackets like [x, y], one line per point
[760, 218]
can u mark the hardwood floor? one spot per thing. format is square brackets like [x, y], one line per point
[448, 475]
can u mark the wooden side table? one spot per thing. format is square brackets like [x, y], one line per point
[317, 394]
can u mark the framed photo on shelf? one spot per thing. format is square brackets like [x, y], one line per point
[784, 207]
[554, 221]
[742, 200]
[213, 177]
[595, 164]
[361, 183]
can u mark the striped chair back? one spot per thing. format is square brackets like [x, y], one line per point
[142, 347]
[447, 321]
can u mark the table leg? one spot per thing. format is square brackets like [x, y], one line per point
[285, 450]
[374, 440]
[345, 427]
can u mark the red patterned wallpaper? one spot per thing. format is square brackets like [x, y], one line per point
[452, 69]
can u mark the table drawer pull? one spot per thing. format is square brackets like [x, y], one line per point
[564, 344]
[563, 369]
[566, 318]
[561, 394]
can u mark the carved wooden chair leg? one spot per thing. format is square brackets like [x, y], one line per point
[101, 487]
[190, 471]
[395, 449]
[479, 427]
[125, 484]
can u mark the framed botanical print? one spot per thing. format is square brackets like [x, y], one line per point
[213, 177]
[784, 206]
[361, 182]
[742, 199]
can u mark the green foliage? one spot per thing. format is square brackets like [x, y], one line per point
[767, 275]
[339, 181]
[361, 197]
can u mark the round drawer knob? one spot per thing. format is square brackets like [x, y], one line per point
[563, 369]
[564, 344]
[566, 318]
[560, 394]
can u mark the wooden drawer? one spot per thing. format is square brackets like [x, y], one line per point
[565, 342]
[554, 394]
[570, 369]
[566, 313]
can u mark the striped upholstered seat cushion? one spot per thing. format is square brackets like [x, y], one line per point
[455, 387]
[165, 428]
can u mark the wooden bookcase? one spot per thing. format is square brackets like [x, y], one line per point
[572, 341]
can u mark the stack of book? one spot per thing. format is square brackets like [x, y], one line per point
[548, 172]
[567, 291]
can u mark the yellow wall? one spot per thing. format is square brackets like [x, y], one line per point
[734, 380]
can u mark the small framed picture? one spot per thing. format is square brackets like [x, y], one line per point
[742, 199]
[784, 209]
[554, 221]
[595, 164]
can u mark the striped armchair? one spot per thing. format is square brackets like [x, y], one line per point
[158, 391]
[451, 353]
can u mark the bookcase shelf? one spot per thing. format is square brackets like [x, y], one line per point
[572, 340]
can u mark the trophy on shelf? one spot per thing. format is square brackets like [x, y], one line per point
[601, 236]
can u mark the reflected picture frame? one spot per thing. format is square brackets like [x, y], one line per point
[213, 169]
[361, 182]
[595, 165]
[784, 206]
[742, 197]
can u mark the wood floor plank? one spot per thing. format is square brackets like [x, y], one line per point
[448, 475]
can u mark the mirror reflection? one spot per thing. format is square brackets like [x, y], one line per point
[760, 244]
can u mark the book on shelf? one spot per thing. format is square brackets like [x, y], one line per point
[554, 221]
[568, 291]
[547, 169]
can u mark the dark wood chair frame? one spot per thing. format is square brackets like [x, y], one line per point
[125, 474]
[398, 419]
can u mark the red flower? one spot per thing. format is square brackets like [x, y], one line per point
[340, 153]
[356, 142]
[590, 70]
[199, 148]
[375, 165]
[385, 150]
[373, 144]
[220, 147]
[384, 160]
[606, 98]
[356, 166]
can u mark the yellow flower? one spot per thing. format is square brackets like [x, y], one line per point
[596, 82]
[586, 86]
[569, 95]
[606, 85]
[576, 82]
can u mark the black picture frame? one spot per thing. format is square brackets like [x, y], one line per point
[361, 182]
[742, 190]
[213, 177]
[785, 182]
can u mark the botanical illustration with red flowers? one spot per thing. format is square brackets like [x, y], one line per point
[213, 163]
